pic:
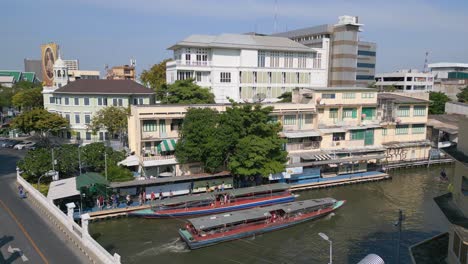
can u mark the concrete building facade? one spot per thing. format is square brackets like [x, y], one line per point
[351, 61]
[449, 77]
[124, 72]
[247, 68]
[405, 81]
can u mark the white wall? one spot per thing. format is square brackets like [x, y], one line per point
[226, 57]
[249, 58]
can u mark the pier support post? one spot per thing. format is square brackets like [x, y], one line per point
[70, 210]
[84, 223]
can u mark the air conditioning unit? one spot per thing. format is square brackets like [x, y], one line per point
[337, 143]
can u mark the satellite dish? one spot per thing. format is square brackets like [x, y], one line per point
[258, 98]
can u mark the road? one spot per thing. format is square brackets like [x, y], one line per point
[25, 236]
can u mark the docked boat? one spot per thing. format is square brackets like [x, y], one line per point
[218, 202]
[214, 229]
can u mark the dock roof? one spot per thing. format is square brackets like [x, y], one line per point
[208, 222]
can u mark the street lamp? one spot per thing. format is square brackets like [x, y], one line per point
[325, 237]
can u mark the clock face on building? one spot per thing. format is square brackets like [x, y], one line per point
[49, 62]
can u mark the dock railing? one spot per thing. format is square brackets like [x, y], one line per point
[77, 234]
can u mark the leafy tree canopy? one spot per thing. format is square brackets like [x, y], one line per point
[118, 174]
[155, 77]
[220, 140]
[111, 118]
[92, 157]
[462, 96]
[28, 98]
[286, 97]
[7, 93]
[185, 92]
[40, 121]
[438, 100]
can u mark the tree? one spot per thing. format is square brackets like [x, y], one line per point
[36, 163]
[185, 92]
[92, 157]
[7, 93]
[155, 77]
[26, 85]
[286, 97]
[118, 174]
[438, 100]
[40, 121]
[111, 118]
[462, 96]
[28, 99]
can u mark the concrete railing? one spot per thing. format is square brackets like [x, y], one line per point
[74, 232]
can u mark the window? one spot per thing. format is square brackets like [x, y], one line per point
[140, 101]
[88, 135]
[77, 101]
[86, 101]
[176, 124]
[78, 135]
[366, 53]
[255, 77]
[288, 59]
[198, 76]
[302, 60]
[261, 59]
[101, 135]
[289, 120]
[333, 113]
[201, 56]
[149, 125]
[297, 77]
[269, 77]
[67, 116]
[87, 119]
[58, 100]
[273, 119]
[274, 59]
[283, 77]
[318, 61]
[114, 102]
[402, 129]
[67, 101]
[368, 113]
[308, 118]
[403, 111]
[135, 101]
[77, 118]
[102, 101]
[349, 95]
[367, 95]
[68, 135]
[51, 100]
[419, 110]
[184, 75]
[225, 77]
[339, 136]
[384, 131]
[357, 134]
[349, 113]
[187, 56]
[328, 96]
[120, 100]
[418, 128]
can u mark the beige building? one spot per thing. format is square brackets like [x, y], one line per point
[462, 145]
[341, 129]
[124, 72]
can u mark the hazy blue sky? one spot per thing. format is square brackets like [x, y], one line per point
[99, 32]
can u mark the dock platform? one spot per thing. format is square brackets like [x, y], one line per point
[379, 176]
[416, 163]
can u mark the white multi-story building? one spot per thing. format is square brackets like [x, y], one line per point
[248, 67]
[406, 81]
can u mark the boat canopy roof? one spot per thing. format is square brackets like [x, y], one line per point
[219, 220]
[259, 189]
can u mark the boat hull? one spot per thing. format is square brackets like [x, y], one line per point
[196, 244]
[148, 213]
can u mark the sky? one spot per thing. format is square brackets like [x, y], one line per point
[100, 32]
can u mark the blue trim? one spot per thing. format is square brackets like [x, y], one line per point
[366, 65]
[218, 210]
[366, 53]
[364, 77]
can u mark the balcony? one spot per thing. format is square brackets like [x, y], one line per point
[158, 157]
[193, 63]
[303, 146]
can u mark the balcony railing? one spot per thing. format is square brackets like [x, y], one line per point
[192, 63]
[303, 146]
[158, 157]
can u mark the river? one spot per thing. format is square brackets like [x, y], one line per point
[364, 225]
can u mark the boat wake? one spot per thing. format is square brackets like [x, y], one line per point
[174, 246]
[329, 216]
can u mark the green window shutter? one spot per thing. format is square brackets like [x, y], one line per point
[354, 113]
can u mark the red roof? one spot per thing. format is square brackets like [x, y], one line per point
[104, 87]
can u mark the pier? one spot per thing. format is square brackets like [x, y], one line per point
[417, 163]
[377, 176]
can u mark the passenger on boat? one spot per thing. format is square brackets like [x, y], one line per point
[170, 194]
[207, 187]
[222, 186]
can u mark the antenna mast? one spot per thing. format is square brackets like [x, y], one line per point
[426, 68]
[276, 17]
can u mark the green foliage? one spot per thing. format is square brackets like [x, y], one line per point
[118, 174]
[92, 156]
[221, 140]
[7, 93]
[155, 77]
[67, 160]
[389, 88]
[26, 85]
[184, 92]
[438, 100]
[40, 121]
[28, 98]
[286, 97]
[462, 96]
[36, 163]
[111, 118]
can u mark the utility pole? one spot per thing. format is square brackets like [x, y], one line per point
[399, 224]
[79, 158]
[105, 169]
[53, 160]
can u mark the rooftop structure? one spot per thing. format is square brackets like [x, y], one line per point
[405, 81]
[123, 72]
[9, 78]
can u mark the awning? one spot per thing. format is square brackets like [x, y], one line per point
[315, 156]
[301, 134]
[88, 179]
[62, 189]
[332, 130]
[166, 145]
[130, 161]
